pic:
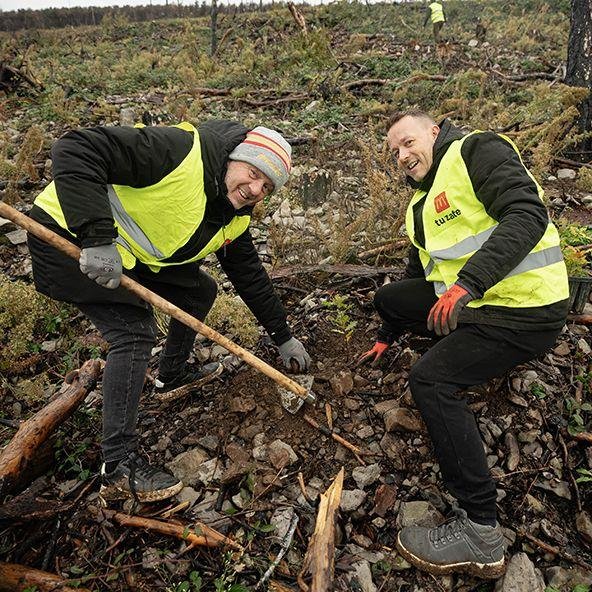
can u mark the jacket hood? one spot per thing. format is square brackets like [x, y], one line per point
[448, 134]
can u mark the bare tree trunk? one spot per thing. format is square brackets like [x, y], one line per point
[213, 22]
[579, 59]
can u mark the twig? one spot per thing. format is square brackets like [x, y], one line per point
[208, 537]
[391, 246]
[285, 545]
[10, 423]
[582, 437]
[573, 163]
[569, 472]
[552, 549]
[325, 430]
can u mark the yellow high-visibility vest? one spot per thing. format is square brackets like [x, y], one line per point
[456, 225]
[154, 222]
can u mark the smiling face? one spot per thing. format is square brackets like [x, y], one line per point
[246, 184]
[411, 140]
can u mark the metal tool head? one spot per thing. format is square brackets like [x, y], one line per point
[291, 402]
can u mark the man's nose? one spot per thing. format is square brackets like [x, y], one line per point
[256, 187]
[403, 155]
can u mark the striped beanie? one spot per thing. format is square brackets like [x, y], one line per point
[268, 151]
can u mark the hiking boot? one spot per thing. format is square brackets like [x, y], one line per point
[134, 478]
[203, 375]
[458, 545]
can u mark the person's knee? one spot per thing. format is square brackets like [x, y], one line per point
[208, 289]
[419, 384]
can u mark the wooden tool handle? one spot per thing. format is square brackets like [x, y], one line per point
[60, 243]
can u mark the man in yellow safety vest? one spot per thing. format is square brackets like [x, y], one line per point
[485, 277]
[153, 202]
[435, 14]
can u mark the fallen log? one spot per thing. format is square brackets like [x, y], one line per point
[18, 578]
[320, 555]
[343, 269]
[18, 466]
[207, 537]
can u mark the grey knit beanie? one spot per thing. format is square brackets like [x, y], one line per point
[267, 150]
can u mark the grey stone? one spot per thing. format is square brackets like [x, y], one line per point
[418, 513]
[352, 499]
[521, 576]
[364, 476]
[185, 465]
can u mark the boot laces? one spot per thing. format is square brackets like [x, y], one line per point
[451, 529]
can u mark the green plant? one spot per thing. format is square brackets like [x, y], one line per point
[585, 476]
[538, 390]
[194, 584]
[577, 415]
[340, 318]
[69, 457]
[573, 237]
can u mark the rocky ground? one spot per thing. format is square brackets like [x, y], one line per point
[252, 470]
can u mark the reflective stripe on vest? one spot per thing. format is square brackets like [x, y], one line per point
[154, 222]
[456, 225]
[437, 12]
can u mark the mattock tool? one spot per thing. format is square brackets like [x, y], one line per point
[292, 394]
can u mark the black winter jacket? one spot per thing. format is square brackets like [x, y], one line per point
[509, 196]
[85, 161]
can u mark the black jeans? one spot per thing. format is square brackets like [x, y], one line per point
[131, 333]
[470, 355]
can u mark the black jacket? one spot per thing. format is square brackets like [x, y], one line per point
[509, 196]
[85, 161]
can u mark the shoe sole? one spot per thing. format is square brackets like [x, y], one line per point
[114, 493]
[488, 571]
[185, 389]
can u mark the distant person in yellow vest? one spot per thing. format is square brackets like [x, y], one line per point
[435, 13]
[153, 202]
[486, 279]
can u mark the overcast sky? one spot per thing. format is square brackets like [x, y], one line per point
[37, 4]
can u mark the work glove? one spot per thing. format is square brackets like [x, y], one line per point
[294, 350]
[102, 264]
[443, 316]
[373, 355]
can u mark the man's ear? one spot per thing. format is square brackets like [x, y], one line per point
[435, 131]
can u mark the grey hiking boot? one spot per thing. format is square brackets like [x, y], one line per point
[201, 375]
[458, 545]
[134, 478]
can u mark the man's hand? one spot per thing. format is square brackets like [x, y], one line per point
[443, 316]
[373, 355]
[294, 350]
[102, 264]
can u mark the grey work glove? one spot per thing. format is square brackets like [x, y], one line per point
[102, 264]
[294, 350]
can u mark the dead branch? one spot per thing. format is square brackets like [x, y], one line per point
[392, 246]
[573, 163]
[18, 459]
[527, 76]
[364, 82]
[346, 269]
[18, 578]
[11, 78]
[555, 550]
[29, 505]
[320, 555]
[199, 535]
[285, 545]
[298, 17]
[581, 319]
[582, 437]
[325, 430]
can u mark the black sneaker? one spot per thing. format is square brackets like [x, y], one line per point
[134, 478]
[202, 375]
[459, 545]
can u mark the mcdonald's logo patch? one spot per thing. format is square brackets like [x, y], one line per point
[441, 202]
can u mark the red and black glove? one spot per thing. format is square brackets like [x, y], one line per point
[374, 354]
[443, 316]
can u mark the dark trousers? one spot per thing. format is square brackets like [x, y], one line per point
[470, 355]
[130, 331]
